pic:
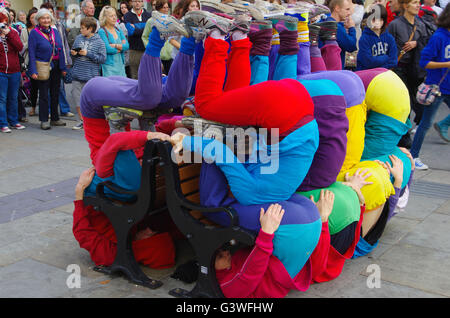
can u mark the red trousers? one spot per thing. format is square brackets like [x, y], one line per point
[271, 104]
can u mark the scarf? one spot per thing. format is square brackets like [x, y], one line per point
[51, 38]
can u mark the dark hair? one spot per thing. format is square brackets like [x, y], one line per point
[378, 11]
[15, 16]
[89, 23]
[160, 4]
[177, 12]
[443, 20]
[47, 6]
[186, 6]
[30, 13]
[119, 11]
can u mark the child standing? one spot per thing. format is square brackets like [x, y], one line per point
[89, 53]
[377, 48]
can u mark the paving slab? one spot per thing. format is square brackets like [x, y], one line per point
[418, 267]
[419, 207]
[396, 229]
[31, 279]
[433, 232]
[438, 176]
[22, 249]
[444, 208]
[61, 254]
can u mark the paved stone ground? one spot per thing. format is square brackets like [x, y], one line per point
[38, 172]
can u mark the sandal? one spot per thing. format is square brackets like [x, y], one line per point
[32, 113]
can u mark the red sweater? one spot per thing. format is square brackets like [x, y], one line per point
[257, 273]
[106, 154]
[94, 233]
[391, 15]
[9, 62]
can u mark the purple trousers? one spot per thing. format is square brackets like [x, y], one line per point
[146, 93]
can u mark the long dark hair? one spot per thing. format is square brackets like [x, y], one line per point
[119, 11]
[32, 10]
[444, 19]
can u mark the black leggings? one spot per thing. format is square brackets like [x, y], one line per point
[342, 240]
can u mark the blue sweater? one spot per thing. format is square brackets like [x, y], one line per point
[274, 175]
[437, 50]
[40, 49]
[87, 67]
[376, 51]
[110, 51]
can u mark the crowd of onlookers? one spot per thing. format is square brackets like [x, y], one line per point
[78, 48]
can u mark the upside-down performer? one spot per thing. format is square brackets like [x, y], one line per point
[283, 104]
[131, 97]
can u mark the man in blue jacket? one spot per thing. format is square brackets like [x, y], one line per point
[341, 11]
[135, 23]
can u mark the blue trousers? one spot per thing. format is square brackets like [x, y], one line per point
[428, 115]
[9, 89]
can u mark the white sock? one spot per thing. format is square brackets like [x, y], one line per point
[238, 35]
[216, 34]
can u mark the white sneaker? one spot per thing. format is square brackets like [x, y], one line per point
[68, 114]
[420, 165]
[5, 129]
[78, 126]
[18, 126]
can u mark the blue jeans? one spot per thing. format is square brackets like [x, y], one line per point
[9, 89]
[425, 123]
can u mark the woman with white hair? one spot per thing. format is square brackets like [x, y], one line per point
[45, 45]
[115, 42]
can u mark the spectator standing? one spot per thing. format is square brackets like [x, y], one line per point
[189, 5]
[63, 103]
[9, 74]
[377, 48]
[88, 52]
[87, 10]
[44, 45]
[115, 42]
[22, 17]
[411, 36]
[435, 58]
[432, 5]
[31, 23]
[135, 21]
[162, 6]
[123, 9]
[341, 11]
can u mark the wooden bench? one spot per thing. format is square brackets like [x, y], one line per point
[165, 185]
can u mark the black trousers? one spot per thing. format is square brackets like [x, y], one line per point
[52, 86]
[412, 82]
[34, 92]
